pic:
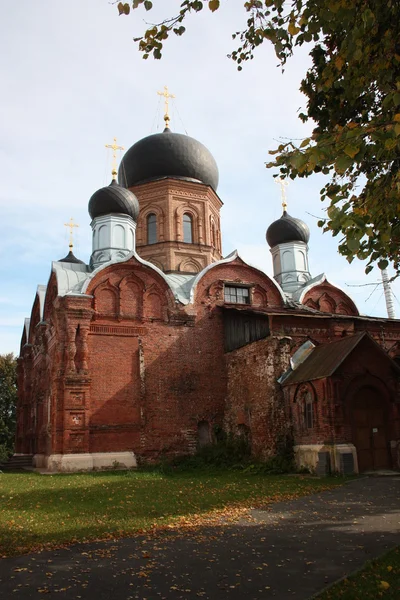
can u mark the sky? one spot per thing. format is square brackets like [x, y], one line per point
[72, 79]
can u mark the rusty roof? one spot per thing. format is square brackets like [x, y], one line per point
[325, 359]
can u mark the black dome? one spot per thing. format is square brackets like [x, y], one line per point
[113, 199]
[71, 258]
[168, 154]
[287, 229]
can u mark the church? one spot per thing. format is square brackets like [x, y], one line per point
[159, 343]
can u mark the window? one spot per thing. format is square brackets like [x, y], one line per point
[187, 228]
[308, 411]
[152, 229]
[236, 294]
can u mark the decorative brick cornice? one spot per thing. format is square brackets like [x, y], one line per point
[117, 330]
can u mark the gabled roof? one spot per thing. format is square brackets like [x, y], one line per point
[324, 360]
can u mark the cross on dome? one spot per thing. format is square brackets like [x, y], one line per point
[167, 96]
[114, 147]
[71, 226]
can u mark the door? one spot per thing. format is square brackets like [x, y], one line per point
[369, 430]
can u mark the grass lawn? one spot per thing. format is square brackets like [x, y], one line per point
[379, 579]
[38, 511]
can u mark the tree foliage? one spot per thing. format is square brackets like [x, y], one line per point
[8, 399]
[353, 97]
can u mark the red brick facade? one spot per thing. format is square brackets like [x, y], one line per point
[125, 366]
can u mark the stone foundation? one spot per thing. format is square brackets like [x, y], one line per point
[306, 455]
[97, 461]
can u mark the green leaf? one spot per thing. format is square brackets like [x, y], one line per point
[353, 244]
[305, 142]
[343, 163]
[351, 150]
[148, 5]
[390, 144]
[383, 264]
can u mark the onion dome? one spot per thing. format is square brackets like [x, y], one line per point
[113, 199]
[287, 229]
[168, 154]
[71, 258]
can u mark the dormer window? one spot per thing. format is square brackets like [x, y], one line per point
[235, 294]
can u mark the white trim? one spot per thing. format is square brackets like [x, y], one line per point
[230, 258]
[318, 280]
[132, 254]
[41, 293]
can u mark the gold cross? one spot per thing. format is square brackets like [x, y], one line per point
[283, 183]
[114, 148]
[71, 226]
[167, 96]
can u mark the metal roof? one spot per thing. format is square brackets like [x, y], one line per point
[69, 276]
[287, 229]
[168, 154]
[181, 285]
[325, 359]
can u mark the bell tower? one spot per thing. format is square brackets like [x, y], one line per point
[175, 179]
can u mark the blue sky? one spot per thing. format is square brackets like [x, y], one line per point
[72, 79]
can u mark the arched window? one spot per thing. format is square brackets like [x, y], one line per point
[308, 409]
[152, 229]
[187, 228]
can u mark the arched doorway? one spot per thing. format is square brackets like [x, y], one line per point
[369, 421]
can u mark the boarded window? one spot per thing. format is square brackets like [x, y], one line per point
[203, 434]
[242, 327]
[152, 229]
[308, 411]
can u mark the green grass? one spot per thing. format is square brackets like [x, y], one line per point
[38, 511]
[380, 578]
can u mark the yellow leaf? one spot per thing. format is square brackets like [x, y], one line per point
[339, 62]
[397, 118]
[390, 568]
[213, 5]
[384, 585]
[292, 29]
[397, 129]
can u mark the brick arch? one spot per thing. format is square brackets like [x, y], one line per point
[131, 290]
[51, 295]
[141, 233]
[106, 299]
[326, 303]
[234, 270]
[190, 265]
[305, 413]
[213, 232]
[329, 298]
[154, 303]
[156, 263]
[193, 212]
[260, 296]
[35, 319]
[311, 304]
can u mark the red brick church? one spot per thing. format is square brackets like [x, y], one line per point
[158, 342]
